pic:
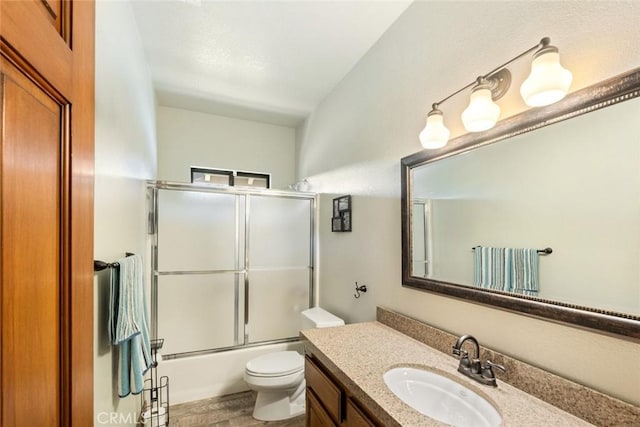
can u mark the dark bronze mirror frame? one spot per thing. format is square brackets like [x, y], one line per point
[609, 92]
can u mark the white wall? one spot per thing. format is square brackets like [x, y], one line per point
[125, 157]
[189, 138]
[353, 143]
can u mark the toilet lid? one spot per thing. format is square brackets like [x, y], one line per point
[276, 364]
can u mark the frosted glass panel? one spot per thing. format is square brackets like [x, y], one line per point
[276, 299]
[419, 237]
[280, 230]
[196, 231]
[196, 312]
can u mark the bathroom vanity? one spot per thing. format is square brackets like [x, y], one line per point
[345, 368]
[329, 402]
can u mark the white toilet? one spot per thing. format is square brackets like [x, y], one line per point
[279, 377]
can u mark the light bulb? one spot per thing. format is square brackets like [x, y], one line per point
[548, 82]
[435, 134]
[482, 113]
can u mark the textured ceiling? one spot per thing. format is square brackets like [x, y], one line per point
[271, 61]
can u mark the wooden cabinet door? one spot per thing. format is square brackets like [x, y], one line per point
[325, 389]
[355, 417]
[315, 412]
[46, 212]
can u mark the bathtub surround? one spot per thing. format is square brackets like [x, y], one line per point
[583, 402]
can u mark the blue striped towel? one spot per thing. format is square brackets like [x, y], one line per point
[128, 324]
[506, 269]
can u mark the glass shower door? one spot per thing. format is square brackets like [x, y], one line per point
[280, 266]
[199, 270]
[230, 267]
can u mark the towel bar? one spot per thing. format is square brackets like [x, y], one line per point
[545, 251]
[101, 265]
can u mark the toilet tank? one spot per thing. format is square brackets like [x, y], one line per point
[318, 318]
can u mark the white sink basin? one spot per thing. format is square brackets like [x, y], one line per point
[441, 398]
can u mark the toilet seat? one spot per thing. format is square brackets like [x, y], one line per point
[276, 364]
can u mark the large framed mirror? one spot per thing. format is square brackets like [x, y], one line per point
[561, 180]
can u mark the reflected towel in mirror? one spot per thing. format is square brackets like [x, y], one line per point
[506, 269]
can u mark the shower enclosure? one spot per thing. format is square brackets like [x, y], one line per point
[230, 267]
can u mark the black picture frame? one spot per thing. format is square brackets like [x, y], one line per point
[346, 221]
[341, 220]
[344, 203]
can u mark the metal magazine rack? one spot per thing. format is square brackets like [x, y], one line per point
[155, 396]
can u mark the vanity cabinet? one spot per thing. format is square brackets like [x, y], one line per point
[316, 415]
[355, 416]
[329, 403]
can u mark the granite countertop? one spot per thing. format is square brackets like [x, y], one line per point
[359, 354]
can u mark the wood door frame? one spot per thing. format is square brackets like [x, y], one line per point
[63, 65]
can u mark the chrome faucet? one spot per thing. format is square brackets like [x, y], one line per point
[474, 368]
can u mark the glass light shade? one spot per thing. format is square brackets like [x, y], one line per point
[548, 82]
[482, 113]
[435, 134]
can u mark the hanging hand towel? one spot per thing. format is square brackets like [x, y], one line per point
[506, 269]
[524, 271]
[489, 268]
[128, 324]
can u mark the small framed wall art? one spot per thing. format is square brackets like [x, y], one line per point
[341, 220]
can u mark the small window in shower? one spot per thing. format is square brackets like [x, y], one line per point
[230, 178]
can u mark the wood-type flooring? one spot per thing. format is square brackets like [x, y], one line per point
[226, 411]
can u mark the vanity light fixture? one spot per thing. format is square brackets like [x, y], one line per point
[548, 82]
[482, 113]
[435, 134]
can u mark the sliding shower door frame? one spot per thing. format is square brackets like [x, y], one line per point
[241, 255]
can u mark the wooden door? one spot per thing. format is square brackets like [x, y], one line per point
[46, 219]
